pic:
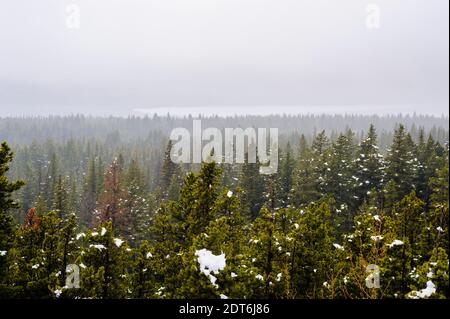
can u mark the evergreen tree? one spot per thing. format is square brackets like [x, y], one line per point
[90, 194]
[137, 203]
[7, 202]
[252, 184]
[112, 201]
[104, 261]
[286, 174]
[306, 183]
[369, 172]
[402, 164]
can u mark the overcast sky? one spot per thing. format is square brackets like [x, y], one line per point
[131, 54]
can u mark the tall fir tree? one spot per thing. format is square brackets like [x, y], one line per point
[7, 202]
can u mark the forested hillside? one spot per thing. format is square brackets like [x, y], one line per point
[103, 194]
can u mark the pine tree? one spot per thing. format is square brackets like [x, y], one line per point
[112, 201]
[144, 276]
[223, 236]
[61, 198]
[168, 170]
[51, 179]
[312, 259]
[252, 184]
[205, 194]
[369, 170]
[321, 156]
[305, 182]
[340, 174]
[286, 173]
[402, 164]
[104, 261]
[7, 188]
[432, 274]
[90, 194]
[137, 203]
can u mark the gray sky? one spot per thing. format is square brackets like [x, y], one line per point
[315, 54]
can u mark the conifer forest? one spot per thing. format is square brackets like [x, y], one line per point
[357, 209]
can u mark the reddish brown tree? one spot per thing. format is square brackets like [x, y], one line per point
[32, 220]
[112, 203]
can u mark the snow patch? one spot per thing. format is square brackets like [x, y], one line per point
[396, 242]
[80, 235]
[424, 293]
[98, 246]
[58, 293]
[118, 242]
[376, 238]
[210, 263]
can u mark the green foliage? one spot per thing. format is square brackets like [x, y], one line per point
[335, 207]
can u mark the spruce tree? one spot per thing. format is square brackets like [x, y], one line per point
[7, 202]
[402, 165]
[252, 184]
[305, 182]
[369, 169]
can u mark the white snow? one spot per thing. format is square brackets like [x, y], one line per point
[337, 246]
[58, 293]
[94, 234]
[82, 265]
[210, 263]
[149, 255]
[279, 275]
[229, 194]
[259, 277]
[222, 296]
[98, 246]
[233, 275]
[80, 235]
[376, 238]
[103, 231]
[35, 266]
[2, 252]
[426, 292]
[377, 218]
[396, 242]
[439, 229]
[118, 242]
